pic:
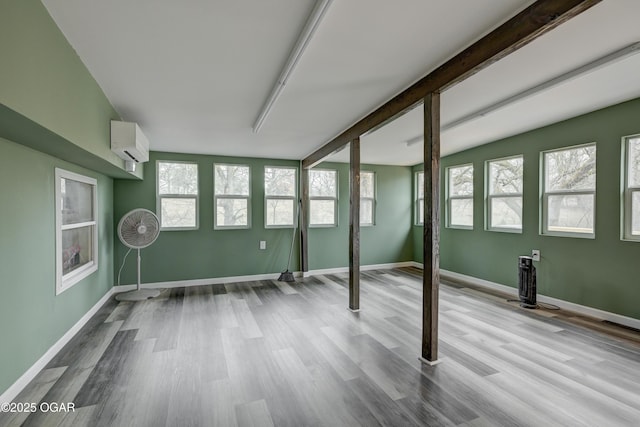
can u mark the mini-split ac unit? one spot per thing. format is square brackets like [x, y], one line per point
[129, 143]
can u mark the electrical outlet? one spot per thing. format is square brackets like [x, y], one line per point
[263, 244]
[535, 254]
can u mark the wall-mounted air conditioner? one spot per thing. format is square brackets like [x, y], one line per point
[129, 143]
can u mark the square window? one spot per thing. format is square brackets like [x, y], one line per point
[568, 191]
[232, 196]
[323, 195]
[280, 190]
[177, 197]
[76, 228]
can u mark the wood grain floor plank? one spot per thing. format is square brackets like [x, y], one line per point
[291, 354]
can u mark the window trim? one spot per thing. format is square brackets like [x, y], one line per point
[334, 199]
[293, 198]
[159, 196]
[489, 196]
[627, 193]
[544, 196]
[450, 198]
[64, 282]
[372, 199]
[231, 196]
[418, 199]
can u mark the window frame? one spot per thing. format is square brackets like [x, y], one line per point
[333, 198]
[627, 192]
[195, 197]
[489, 197]
[66, 281]
[449, 198]
[293, 198]
[418, 199]
[372, 199]
[544, 196]
[231, 196]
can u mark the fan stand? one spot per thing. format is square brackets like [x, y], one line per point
[139, 294]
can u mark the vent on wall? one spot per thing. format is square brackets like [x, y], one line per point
[129, 143]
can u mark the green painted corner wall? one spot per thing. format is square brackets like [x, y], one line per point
[389, 240]
[601, 272]
[33, 318]
[203, 253]
[208, 253]
[43, 79]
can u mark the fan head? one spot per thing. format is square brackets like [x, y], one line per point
[138, 228]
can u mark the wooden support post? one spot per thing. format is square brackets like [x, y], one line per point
[304, 214]
[431, 243]
[354, 226]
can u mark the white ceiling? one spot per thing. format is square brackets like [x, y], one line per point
[195, 73]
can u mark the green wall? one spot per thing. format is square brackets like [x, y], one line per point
[601, 272]
[208, 253]
[203, 253]
[389, 240]
[52, 114]
[44, 86]
[33, 318]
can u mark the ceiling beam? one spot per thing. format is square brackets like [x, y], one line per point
[523, 28]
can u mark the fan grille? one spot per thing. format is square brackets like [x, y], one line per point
[138, 228]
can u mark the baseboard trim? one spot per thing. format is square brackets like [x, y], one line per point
[13, 391]
[362, 268]
[566, 305]
[201, 282]
[255, 277]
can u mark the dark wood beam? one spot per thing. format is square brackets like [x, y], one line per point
[523, 28]
[431, 242]
[304, 215]
[354, 225]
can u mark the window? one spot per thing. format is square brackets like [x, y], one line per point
[76, 228]
[280, 196]
[631, 228]
[367, 198]
[323, 195]
[504, 194]
[231, 196]
[460, 196]
[177, 199]
[569, 191]
[419, 210]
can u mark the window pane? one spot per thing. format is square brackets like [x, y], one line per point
[461, 181]
[280, 212]
[77, 201]
[366, 184]
[231, 213]
[420, 211]
[178, 212]
[506, 212]
[462, 212]
[420, 184]
[505, 176]
[321, 212]
[77, 248]
[232, 180]
[280, 182]
[570, 213]
[634, 162]
[573, 169]
[366, 212]
[635, 213]
[177, 178]
[322, 183]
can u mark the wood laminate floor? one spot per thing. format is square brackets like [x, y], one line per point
[269, 353]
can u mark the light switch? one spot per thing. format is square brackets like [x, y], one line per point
[263, 244]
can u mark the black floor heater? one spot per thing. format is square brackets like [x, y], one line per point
[527, 282]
